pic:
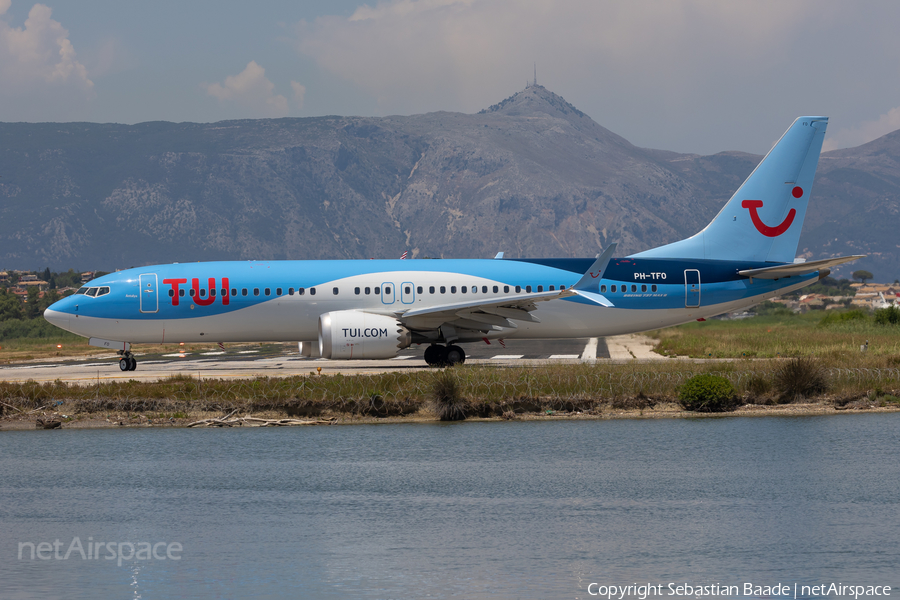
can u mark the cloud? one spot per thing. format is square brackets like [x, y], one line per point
[251, 90]
[864, 132]
[465, 54]
[299, 94]
[38, 65]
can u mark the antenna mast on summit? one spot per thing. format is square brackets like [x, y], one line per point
[535, 74]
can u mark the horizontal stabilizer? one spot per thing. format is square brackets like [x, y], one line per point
[597, 298]
[805, 268]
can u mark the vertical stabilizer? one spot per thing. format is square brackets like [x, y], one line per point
[763, 219]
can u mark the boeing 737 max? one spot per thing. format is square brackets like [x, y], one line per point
[371, 309]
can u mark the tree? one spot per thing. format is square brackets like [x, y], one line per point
[862, 275]
[10, 307]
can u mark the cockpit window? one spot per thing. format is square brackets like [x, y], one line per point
[103, 291]
[82, 290]
[92, 291]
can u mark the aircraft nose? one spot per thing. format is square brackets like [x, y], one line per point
[58, 318]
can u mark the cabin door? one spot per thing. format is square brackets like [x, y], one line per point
[691, 288]
[149, 296]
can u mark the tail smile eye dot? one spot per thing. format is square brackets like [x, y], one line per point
[797, 191]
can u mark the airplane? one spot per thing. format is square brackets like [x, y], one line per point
[372, 309]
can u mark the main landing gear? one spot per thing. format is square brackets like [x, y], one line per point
[127, 362]
[444, 356]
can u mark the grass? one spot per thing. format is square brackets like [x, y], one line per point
[780, 336]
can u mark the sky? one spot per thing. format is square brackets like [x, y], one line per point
[698, 76]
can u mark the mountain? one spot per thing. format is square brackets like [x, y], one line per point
[531, 176]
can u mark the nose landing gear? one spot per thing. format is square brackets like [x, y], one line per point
[444, 356]
[127, 362]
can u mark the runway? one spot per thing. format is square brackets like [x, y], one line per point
[284, 361]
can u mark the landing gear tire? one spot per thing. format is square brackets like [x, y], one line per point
[128, 362]
[454, 356]
[434, 355]
[444, 356]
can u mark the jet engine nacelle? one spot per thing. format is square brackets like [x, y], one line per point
[355, 334]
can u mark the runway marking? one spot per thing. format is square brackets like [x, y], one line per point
[507, 356]
[178, 355]
[590, 350]
[211, 353]
[569, 356]
[403, 357]
[248, 352]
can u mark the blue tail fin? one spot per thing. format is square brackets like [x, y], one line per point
[763, 219]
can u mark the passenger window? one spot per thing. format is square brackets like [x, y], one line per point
[430, 289]
[277, 291]
[256, 291]
[443, 289]
[387, 290]
[244, 292]
[356, 291]
[377, 291]
[301, 291]
[452, 289]
[368, 291]
[602, 289]
[268, 291]
[518, 289]
[643, 287]
[408, 290]
[191, 292]
[633, 288]
[290, 291]
[528, 288]
[463, 289]
[312, 291]
[234, 291]
[614, 288]
[171, 293]
[181, 293]
[419, 289]
[484, 289]
[653, 288]
[505, 289]
[212, 292]
[202, 293]
[496, 289]
[540, 288]
[562, 287]
[551, 289]
[334, 291]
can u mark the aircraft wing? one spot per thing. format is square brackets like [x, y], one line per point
[805, 268]
[500, 313]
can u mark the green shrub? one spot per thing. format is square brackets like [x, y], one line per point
[835, 317]
[887, 316]
[446, 399]
[800, 378]
[707, 393]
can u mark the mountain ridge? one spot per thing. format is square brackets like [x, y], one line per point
[531, 175]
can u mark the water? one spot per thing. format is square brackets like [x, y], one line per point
[469, 510]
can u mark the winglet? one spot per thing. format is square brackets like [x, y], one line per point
[499, 255]
[590, 280]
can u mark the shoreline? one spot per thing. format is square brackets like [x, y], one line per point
[667, 410]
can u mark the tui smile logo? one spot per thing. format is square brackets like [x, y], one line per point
[766, 230]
